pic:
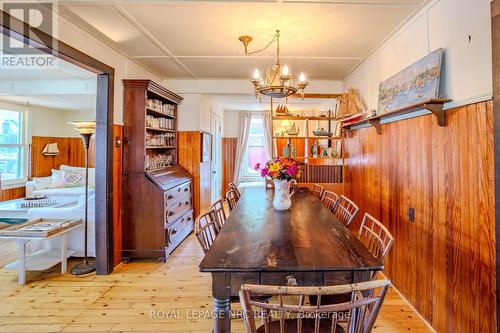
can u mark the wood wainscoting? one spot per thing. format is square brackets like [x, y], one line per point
[228, 161]
[12, 193]
[189, 150]
[71, 152]
[444, 261]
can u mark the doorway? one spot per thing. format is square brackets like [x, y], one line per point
[216, 129]
[41, 41]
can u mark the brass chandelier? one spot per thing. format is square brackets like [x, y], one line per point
[278, 82]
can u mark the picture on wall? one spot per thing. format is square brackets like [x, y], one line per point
[415, 84]
[206, 147]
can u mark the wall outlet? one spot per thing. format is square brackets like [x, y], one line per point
[411, 215]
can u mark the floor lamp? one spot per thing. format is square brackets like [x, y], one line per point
[86, 129]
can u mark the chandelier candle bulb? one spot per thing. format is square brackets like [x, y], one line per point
[256, 74]
[285, 71]
[302, 77]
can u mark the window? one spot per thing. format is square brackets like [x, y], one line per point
[12, 146]
[256, 151]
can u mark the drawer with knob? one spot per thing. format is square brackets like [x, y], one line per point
[177, 192]
[177, 228]
[177, 231]
[177, 208]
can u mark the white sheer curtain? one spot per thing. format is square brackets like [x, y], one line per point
[268, 134]
[245, 120]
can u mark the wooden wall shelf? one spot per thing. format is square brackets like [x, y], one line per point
[304, 118]
[435, 106]
[309, 137]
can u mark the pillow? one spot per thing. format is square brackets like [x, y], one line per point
[73, 178]
[41, 183]
[91, 172]
[57, 179]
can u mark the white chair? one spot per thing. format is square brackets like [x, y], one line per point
[75, 237]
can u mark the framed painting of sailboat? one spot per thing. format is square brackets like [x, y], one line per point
[415, 84]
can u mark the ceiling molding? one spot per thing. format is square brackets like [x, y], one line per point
[153, 39]
[71, 18]
[246, 57]
[47, 87]
[332, 2]
[394, 33]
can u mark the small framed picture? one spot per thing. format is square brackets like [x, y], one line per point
[206, 147]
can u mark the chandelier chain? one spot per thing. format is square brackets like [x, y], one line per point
[275, 38]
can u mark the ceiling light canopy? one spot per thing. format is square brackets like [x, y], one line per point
[278, 81]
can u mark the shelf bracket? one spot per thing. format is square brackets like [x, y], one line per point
[376, 123]
[437, 110]
[348, 132]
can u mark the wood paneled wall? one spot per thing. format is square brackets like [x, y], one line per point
[71, 152]
[117, 195]
[228, 161]
[12, 193]
[444, 262]
[189, 148]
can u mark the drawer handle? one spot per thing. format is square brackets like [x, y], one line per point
[189, 218]
[186, 189]
[174, 231]
[179, 189]
[170, 196]
[180, 204]
[171, 213]
[186, 203]
[291, 280]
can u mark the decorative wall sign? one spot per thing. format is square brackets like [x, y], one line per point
[415, 84]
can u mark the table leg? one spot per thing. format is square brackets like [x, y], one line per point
[221, 292]
[64, 253]
[21, 262]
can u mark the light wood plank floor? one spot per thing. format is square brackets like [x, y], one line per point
[139, 297]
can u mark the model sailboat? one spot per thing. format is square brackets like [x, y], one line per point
[50, 150]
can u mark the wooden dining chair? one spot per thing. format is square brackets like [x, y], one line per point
[292, 315]
[232, 186]
[217, 209]
[232, 198]
[345, 210]
[318, 190]
[330, 200]
[206, 230]
[375, 236]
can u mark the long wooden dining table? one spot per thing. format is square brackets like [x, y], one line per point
[305, 245]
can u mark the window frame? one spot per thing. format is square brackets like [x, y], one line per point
[23, 145]
[250, 177]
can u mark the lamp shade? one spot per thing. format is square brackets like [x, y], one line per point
[84, 127]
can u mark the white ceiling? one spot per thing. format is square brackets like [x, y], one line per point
[63, 87]
[199, 39]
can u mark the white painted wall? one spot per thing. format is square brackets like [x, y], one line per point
[43, 121]
[467, 67]
[231, 122]
[124, 68]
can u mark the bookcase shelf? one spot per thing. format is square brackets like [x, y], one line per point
[158, 113]
[157, 196]
[155, 129]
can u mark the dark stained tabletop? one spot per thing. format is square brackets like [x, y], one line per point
[308, 237]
